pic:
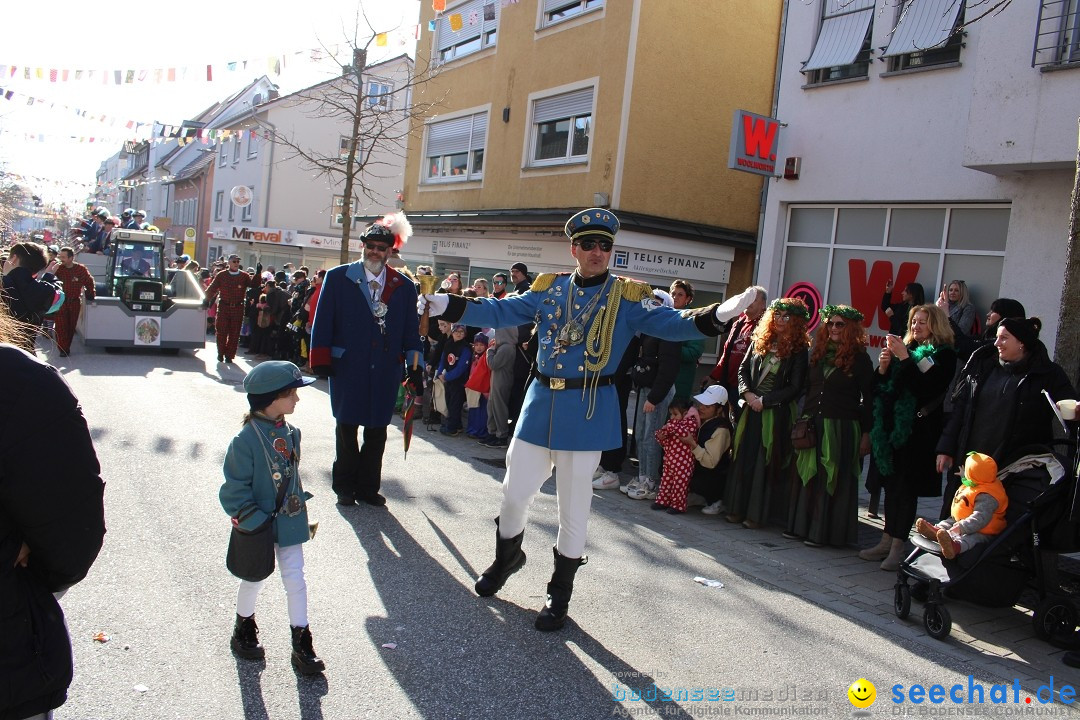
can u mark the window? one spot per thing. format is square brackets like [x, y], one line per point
[339, 201]
[236, 148]
[455, 149]
[927, 33]
[477, 22]
[556, 11]
[245, 212]
[842, 49]
[253, 144]
[232, 210]
[379, 95]
[562, 125]
[343, 150]
[1057, 41]
[219, 201]
[223, 154]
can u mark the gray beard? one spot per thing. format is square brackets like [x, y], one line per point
[374, 267]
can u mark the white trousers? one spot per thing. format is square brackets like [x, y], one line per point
[290, 561]
[528, 466]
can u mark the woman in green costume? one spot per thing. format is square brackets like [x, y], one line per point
[909, 388]
[840, 404]
[761, 487]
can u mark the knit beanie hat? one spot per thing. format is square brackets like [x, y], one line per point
[1026, 330]
[1008, 308]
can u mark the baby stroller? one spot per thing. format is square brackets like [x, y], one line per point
[1041, 486]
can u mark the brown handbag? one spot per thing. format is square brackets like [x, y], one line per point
[804, 434]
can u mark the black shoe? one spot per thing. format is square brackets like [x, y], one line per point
[245, 639]
[221, 358]
[304, 658]
[374, 499]
[64, 353]
[345, 500]
[230, 360]
[658, 506]
[509, 558]
[675, 511]
[554, 613]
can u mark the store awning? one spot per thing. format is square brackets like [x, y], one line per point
[923, 25]
[843, 32]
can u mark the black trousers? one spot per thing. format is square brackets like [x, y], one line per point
[357, 471]
[901, 505]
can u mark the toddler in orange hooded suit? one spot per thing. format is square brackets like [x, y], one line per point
[978, 509]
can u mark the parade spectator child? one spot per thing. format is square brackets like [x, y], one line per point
[265, 453]
[477, 389]
[978, 509]
[454, 372]
[678, 465]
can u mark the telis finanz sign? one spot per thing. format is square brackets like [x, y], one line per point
[755, 144]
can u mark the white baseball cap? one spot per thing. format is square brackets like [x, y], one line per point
[713, 395]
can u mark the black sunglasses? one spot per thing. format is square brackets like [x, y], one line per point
[381, 247]
[836, 323]
[590, 244]
[499, 282]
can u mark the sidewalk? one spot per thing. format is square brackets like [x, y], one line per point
[1000, 640]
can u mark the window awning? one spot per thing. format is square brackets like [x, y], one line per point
[843, 32]
[923, 25]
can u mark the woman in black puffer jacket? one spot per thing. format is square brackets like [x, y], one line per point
[998, 402]
[51, 526]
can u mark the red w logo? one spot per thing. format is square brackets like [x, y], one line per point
[867, 290]
[759, 135]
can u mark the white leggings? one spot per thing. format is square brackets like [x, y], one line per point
[290, 560]
[528, 466]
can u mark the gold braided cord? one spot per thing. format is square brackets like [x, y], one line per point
[598, 343]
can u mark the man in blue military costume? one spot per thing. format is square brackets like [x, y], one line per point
[365, 329]
[584, 321]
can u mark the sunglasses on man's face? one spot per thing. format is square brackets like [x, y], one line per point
[499, 282]
[590, 244]
[376, 246]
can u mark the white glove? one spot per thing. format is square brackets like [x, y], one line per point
[435, 304]
[733, 306]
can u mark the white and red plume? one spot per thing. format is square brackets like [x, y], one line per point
[399, 227]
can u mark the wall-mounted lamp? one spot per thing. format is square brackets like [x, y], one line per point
[506, 114]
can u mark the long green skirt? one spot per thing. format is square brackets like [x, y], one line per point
[761, 483]
[826, 510]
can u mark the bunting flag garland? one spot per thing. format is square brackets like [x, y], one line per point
[380, 40]
[438, 5]
[455, 22]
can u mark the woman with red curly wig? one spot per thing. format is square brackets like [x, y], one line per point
[771, 379]
[840, 405]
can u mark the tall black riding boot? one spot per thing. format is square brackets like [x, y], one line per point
[304, 658]
[509, 558]
[561, 587]
[245, 639]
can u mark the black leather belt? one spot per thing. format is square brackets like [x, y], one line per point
[571, 383]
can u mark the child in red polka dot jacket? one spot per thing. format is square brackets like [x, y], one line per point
[678, 468]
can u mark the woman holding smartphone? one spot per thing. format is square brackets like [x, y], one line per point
[909, 388]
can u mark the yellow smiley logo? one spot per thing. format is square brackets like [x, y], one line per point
[862, 693]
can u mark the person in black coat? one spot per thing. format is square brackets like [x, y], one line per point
[998, 402]
[27, 298]
[51, 526]
[912, 295]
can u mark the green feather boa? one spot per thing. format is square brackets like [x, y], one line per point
[902, 402]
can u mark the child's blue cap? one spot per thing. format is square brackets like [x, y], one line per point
[274, 376]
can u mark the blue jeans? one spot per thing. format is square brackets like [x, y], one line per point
[645, 427]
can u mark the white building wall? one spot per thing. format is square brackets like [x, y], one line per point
[917, 137]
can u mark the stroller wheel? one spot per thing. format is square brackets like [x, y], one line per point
[937, 621]
[1054, 619]
[902, 600]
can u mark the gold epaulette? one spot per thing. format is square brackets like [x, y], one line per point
[635, 291]
[543, 281]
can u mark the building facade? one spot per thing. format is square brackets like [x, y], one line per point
[550, 106]
[925, 150]
[292, 212]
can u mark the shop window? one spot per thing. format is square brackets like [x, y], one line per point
[860, 226]
[978, 229]
[561, 127]
[811, 225]
[916, 227]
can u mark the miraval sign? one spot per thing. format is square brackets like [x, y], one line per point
[755, 143]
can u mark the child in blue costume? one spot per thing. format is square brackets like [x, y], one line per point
[264, 454]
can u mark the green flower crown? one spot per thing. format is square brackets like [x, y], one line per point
[795, 308]
[848, 313]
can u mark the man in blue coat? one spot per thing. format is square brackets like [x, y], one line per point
[365, 330]
[584, 321]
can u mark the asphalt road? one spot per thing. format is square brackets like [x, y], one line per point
[402, 576]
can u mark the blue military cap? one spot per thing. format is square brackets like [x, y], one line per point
[594, 221]
[274, 376]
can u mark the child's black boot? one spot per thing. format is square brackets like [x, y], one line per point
[304, 658]
[245, 639]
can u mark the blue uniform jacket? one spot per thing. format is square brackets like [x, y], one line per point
[367, 363]
[249, 491]
[556, 419]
